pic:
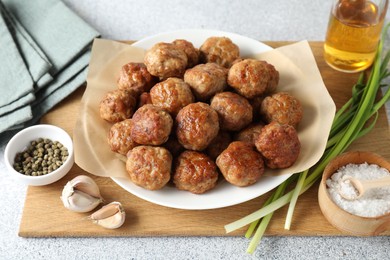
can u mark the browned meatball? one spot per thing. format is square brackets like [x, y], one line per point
[172, 95]
[195, 172]
[218, 144]
[152, 125]
[197, 125]
[251, 77]
[220, 50]
[119, 137]
[256, 104]
[206, 80]
[149, 166]
[144, 99]
[135, 76]
[173, 145]
[282, 108]
[240, 164]
[191, 52]
[274, 79]
[250, 133]
[166, 60]
[234, 111]
[117, 105]
[279, 144]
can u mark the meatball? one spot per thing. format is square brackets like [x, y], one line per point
[172, 95]
[250, 133]
[240, 164]
[279, 144]
[195, 172]
[206, 80]
[274, 79]
[197, 125]
[149, 166]
[218, 144]
[220, 50]
[251, 77]
[256, 104]
[119, 137]
[152, 125]
[234, 111]
[135, 76]
[173, 146]
[191, 52]
[282, 108]
[166, 60]
[117, 105]
[145, 98]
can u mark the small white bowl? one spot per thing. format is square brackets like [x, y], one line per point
[21, 141]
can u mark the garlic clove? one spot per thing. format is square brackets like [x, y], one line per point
[110, 216]
[87, 185]
[81, 194]
[81, 202]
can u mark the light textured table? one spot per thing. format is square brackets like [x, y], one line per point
[259, 19]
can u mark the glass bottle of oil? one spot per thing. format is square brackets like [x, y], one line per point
[353, 33]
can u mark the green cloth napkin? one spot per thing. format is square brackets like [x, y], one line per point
[61, 34]
[50, 45]
[16, 81]
[36, 60]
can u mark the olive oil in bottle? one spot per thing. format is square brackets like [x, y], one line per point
[353, 34]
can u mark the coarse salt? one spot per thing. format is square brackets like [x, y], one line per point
[375, 202]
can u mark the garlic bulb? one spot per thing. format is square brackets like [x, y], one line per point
[81, 194]
[110, 216]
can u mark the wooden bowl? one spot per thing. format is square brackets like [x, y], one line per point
[341, 219]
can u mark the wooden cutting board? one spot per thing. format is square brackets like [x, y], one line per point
[44, 215]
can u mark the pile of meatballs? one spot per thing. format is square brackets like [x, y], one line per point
[190, 116]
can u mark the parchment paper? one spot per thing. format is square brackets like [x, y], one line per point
[299, 75]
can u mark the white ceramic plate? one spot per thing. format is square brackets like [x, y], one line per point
[224, 194]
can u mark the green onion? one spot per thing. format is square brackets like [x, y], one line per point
[294, 199]
[264, 222]
[355, 119]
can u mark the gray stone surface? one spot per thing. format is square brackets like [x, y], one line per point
[121, 19]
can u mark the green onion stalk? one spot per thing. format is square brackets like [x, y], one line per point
[353, 120]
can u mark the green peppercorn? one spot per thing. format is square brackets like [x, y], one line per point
[40, 157]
